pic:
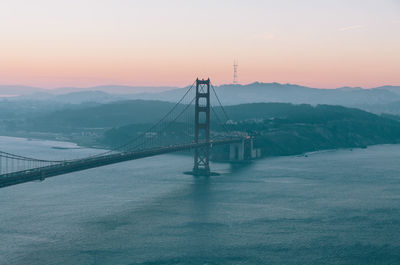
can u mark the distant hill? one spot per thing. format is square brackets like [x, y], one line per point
[8, 90]
[36, 92]
[114, 89]
[288, 93]
[380, 108]
[122, 113]
[287, 129]
[394, 89]
[229, 94]
[70, 98]
[281, 128]
[101, 116]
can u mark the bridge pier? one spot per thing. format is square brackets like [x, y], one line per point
[243, 150]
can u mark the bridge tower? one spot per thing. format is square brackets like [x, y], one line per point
[202, 128]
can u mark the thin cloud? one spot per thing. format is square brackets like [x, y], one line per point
[352, 27]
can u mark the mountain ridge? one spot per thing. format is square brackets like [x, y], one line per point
[229, 94]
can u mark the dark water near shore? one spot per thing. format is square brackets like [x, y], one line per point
[333, 207]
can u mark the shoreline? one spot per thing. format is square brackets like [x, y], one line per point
[57, 137]
[80, 145]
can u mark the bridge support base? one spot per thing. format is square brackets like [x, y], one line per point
[243, 151]
[201, 174]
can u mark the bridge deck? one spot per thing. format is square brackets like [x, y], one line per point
[97, 161]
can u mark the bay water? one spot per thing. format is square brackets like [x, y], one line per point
[329, 207]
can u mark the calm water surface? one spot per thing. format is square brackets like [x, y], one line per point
[333, 207]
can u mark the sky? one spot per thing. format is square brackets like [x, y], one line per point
[82, 43]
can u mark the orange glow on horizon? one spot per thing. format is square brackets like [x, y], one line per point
[129, 43]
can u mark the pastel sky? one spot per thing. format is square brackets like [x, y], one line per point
[319, 43]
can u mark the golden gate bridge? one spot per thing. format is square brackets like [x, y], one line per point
[186, 126]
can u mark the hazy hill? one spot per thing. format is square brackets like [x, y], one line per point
[113, 89]
[275, 92]
[385, 99]
[8, 90]
[102, 116]
[20, 90]
[394, 89]
[388, 108]
[229, 94]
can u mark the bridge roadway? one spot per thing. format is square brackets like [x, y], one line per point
[41, 173]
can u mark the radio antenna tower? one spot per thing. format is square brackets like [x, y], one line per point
[235, 67]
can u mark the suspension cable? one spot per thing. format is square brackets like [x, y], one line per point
[223, 110]
[149, 129]
[220, 104]
[171, 122]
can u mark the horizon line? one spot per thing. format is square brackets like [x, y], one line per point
[178, 87]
